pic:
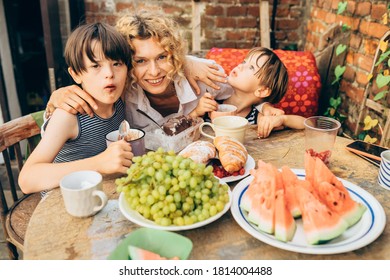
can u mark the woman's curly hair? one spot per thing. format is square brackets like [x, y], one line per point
[144, 25]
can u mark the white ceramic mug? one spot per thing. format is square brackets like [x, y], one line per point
[82, 193]
[384, 170]
[233, 126]
[137, 144]
[223, 110]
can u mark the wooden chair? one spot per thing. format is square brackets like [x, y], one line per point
[15, 215]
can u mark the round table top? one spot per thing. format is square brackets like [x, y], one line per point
[54, 234]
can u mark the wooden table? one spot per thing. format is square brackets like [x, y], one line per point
[54, 234]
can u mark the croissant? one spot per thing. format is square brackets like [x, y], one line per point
[199, 151]
[232, 153]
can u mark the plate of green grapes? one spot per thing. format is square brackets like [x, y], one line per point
[165, 191]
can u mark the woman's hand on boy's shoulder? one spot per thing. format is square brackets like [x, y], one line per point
[71, 99]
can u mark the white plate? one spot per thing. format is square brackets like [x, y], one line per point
[370, 226]
[250, 164]
[138, 219]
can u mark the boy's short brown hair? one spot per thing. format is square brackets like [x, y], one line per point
[114, 45]
[272, 74]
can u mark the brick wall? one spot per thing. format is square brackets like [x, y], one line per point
[224, 23]
[365, 19]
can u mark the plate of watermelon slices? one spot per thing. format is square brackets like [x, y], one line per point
[365, 231]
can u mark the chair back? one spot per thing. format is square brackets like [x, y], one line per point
[11, 134]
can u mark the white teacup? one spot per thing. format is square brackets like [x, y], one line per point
[233, 126]
[384, 170]
[223, 110]
[82, 193]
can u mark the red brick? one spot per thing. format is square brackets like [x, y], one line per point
[363, 9]
[373, 29]
[293, 36]
[355, 41]
[330, 18]
[370, 46]
[290, 2]
[361, 78]
[236, 11]
[234, 35]
[253, 11]
[210, 34]
[287, 24]
[321, 15]
[334, 4]
[296, 12]
[214, 10]
[351, 7]
[378, 11]
[353, 23]
[244, 1]
[121, 6]
[283, 11]
[349, 74]
[280, 35]
[247, 23]
[349, 57]
[363, 61]
[225, 22]
[356, 94]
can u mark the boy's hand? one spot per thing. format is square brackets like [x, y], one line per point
[71, 99]
[206, 104]
[116, 158]
[269, 110]
[265, 124]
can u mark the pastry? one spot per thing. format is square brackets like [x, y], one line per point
[232, 153]
[176, 125]
[199, 151]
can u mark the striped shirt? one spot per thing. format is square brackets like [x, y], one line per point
[91, 139]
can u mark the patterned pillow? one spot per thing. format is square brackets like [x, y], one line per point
[304, 84]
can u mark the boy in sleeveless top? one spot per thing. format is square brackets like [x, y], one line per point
[98, 58]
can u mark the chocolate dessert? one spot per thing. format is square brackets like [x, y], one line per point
[176, 125]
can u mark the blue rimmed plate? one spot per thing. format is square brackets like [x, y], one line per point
[370, 226]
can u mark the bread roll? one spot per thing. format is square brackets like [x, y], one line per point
[232, 153]
[199, 151]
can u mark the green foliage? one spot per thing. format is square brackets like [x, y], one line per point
[338, 72]
[342, 6]
[340, 49]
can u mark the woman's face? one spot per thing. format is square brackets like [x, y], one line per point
[151, 66]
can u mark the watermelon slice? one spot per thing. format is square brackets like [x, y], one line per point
[320, 224]
[333, 194]
[262, 211]
[284, 222]
[250, 195]
[340, 202]
[289, 182]
[137, 253]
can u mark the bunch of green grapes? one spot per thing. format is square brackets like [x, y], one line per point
[171, 190]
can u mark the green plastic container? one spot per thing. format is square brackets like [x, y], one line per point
[165, 243]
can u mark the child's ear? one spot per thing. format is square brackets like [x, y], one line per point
[262, 92]
[75, 76]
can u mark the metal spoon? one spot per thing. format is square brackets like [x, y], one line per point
[146, 115]
[124, 129]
